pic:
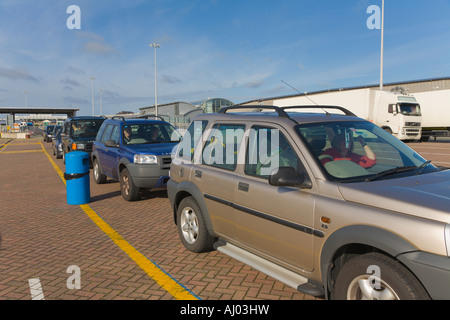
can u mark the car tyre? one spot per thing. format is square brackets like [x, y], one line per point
[99, 177]
[192, 227]
[357, 280]
[129, 190]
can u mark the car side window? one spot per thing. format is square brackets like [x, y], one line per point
[66, 128]
[115, 135]
[188, 145]
[267, 150]
[222, 147]
[107, 133]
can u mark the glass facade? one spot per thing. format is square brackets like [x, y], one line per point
[214, 105]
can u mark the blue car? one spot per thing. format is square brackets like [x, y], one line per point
[56, 143]
[136, 152]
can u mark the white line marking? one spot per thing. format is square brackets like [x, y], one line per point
[36, 289]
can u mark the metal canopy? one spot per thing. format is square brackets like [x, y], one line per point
[14, 111]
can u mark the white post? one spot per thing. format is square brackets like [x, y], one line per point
[92, 78]
[382, 46]
[155, 45]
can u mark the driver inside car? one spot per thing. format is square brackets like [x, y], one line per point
[342, 149]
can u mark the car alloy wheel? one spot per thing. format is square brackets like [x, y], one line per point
[192, 227]
[391, 280]
[129, 191]
[362, 288]
[99, 177]
[189, 225]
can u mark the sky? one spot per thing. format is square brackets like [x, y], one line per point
[238, 50]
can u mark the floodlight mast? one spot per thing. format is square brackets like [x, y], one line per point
[155, 45]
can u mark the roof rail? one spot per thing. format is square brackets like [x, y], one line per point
[282, 110]
[149, 116]
[118, 117]
[345, 111]
[278, 110]
[138, 117]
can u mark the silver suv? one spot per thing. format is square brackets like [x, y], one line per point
[325, 202]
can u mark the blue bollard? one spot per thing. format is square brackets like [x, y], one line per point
[77, 178]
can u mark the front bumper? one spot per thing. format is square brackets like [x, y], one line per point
[433, 272]
[148, 176]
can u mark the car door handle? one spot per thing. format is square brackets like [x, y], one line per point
[198, 174]
[243, 186]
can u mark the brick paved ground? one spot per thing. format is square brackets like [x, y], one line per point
[41, 236]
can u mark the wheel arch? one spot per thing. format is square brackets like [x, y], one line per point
[350, 241]
[188, 189]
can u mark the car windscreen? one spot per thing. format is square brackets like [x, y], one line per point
[149, 133]
[360, 151]
[85, 128]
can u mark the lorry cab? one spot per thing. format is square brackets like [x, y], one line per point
[399, 115]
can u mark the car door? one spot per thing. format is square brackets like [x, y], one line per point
[103, 151]
[113, 154]
[219, 163]
[65, 137]
[276, 221]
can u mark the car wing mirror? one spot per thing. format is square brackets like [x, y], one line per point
[288, 177]
[111, 144]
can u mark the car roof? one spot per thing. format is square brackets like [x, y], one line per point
[298, 114]
[135, 120]
[85, 118]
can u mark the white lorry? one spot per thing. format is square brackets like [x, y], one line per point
[435, 107]
[396, 113]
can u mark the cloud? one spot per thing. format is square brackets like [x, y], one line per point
[17, 73]
[98, 48]
[76, 100]
[71, 82]
[170, 79]
[254, 84]
[75, 70]
[95, 43]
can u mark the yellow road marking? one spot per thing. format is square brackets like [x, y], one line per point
[22, 151]
[156, 273]
[3, 146]
[24, 143]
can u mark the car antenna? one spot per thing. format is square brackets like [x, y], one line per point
[306, 95]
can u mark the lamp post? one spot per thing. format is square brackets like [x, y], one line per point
[155, 45]
[92, 78]
[101, 91]
[382, 46]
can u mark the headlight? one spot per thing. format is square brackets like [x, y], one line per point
[447, 238]
[78, 146]
[145, 159]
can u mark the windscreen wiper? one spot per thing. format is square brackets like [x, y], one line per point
[391, 172]
[422, 166]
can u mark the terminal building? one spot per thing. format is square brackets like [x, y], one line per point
[181, 113]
